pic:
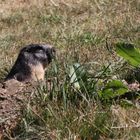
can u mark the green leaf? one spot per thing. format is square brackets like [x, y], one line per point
[73, 77]
[127, 103]
[129, 53]
[115, 84]
[77, 74]
[113, 88]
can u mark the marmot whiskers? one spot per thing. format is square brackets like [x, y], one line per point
[31, 63]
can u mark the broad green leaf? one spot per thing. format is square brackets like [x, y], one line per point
[129, 53]
[115, 84]
[113, 88]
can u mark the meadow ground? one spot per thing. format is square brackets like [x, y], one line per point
[84, 32]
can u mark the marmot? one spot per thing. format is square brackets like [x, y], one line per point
[31, 63]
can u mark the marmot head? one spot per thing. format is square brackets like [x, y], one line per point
[35, 53]
[31, 62]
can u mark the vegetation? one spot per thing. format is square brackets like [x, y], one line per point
[87, 99]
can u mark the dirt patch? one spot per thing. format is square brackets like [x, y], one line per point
[12, 96]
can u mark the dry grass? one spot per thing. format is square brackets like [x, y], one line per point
[80, 30]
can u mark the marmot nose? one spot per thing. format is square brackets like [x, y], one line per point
[50, 50]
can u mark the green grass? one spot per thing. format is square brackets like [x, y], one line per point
[83, 32]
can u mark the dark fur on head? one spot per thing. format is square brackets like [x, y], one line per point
[32, 58]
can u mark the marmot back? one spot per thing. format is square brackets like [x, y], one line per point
[31, 63]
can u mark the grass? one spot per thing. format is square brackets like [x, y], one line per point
[84, 32]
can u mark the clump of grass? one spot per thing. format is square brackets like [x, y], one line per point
[70, 107]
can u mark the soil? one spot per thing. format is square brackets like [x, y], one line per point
[12, 98]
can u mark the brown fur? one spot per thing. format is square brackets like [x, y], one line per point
[37, 72]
